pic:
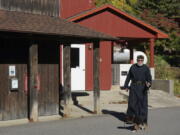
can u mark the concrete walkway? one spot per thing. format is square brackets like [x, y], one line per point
[114, 100]
[158, 99]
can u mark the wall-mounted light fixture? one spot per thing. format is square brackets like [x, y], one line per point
[90, 46]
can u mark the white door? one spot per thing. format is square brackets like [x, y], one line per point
[77, 67]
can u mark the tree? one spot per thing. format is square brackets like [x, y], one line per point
[125, 5]
[159, 13]
[168, 8]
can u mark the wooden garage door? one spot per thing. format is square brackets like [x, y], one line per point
[13, 103]
[48, 96]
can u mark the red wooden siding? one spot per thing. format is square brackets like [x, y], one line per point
[116, 25]
[89, 67]
[71, 7]
[105, 65]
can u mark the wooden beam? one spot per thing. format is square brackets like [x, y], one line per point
[67, 78]
[33, 92]
[131, 55]
[96, 80]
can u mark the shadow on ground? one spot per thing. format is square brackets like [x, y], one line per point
[130, 128]
[75, 96]
[120, 116]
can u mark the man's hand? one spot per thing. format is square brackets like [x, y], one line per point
[127, 89]
[148, 84]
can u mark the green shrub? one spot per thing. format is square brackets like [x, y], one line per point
[164, 71]
[161, 71]
[177, 87]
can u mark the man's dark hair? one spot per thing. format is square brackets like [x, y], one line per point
[140, 57]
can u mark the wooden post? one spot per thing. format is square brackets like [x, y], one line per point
[96, 80]
[33, 92]
[131, 55]
[151, 42]
[67, 78]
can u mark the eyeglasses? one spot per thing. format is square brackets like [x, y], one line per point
[140, 60]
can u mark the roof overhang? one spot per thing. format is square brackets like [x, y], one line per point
[19, 22]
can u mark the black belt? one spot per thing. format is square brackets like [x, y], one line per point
[138, 82]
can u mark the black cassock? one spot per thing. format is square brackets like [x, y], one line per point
[138, 94]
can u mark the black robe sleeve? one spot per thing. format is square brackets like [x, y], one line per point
[148, 76]
[128, 78]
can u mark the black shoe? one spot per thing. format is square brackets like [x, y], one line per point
[135, 128]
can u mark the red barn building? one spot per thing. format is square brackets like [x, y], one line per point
[112, 21]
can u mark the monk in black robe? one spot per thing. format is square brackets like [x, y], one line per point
[141, 79]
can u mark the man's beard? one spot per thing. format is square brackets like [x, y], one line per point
[140, 64]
